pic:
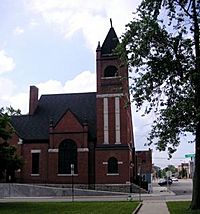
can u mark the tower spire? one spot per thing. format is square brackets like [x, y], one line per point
[111, 22]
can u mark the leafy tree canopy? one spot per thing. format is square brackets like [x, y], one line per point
[6, 128]
[159, 46]
[171, 168]
[162, 47]
[9, 160]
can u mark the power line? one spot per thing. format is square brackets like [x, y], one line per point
[170, 158]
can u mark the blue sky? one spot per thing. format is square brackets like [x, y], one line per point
[52, 44]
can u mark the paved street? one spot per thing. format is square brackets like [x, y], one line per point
[182, 187]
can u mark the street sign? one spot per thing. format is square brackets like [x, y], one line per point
[189, 155]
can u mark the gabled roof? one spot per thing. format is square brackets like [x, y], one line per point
[51, 108]
[110, 43]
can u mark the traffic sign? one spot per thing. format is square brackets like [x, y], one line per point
[189, 155]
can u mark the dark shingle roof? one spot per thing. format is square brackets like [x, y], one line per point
[52, 107]
[110, 43]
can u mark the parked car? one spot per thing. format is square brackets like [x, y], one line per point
[163, 182]
[174, 179]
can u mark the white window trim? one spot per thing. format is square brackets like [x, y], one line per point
[114, 174]
[35, 150]
[53, 150]
[114, 77]
[120, 162]
[35, 175]
[66, 175]
[109, 95]
[82, 150]
[78, 150]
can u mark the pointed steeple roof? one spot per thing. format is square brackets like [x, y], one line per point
[111, 41]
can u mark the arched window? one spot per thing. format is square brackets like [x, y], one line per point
[110, 71]
[67, 155]
[112, 165]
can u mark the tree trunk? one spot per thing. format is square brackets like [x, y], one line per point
[195, 204]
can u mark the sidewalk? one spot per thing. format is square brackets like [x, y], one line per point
[153, 207]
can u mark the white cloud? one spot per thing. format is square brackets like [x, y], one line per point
[6, 88]
[20, 101]
[84, 82]
[34, 23]
[50, 87]
[9, 98]
[18, 31]
[6, 62]
[89, 16]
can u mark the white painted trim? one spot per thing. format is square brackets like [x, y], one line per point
[35, 175]
[117, 142]
[114, 174]
[83, 150]
[109, 95]
[35, 150]
[117, 121]
[20, 141]
[66, 175]
[105, 120]
[78, 150]
[52, 150]
[115, 77]
[120, 162]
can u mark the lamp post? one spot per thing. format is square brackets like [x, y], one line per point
[140, 181]
[72, 174]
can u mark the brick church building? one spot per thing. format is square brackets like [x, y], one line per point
[89, 135]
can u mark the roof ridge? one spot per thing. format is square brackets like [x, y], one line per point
[61, 94]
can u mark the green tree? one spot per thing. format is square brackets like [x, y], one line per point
[161, 47]
[9, 160]
[171, 168]
[6, 129]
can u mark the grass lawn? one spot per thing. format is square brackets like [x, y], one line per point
[68, 207]
[180, 207]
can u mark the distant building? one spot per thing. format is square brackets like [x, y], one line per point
[156, 172]
[144, 164]
[184, 170]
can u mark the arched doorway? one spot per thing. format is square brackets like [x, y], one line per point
[67, 155]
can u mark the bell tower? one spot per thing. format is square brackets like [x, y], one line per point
[113, 155]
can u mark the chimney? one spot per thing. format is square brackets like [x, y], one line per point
[33, 99]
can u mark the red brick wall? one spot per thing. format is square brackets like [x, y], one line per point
[27, 168]
[144, 161]
[113, 85]
[101, 169]
[33, 100]
[69, 128]
[99, 110]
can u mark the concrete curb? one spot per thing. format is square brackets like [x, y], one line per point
[137, 208]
